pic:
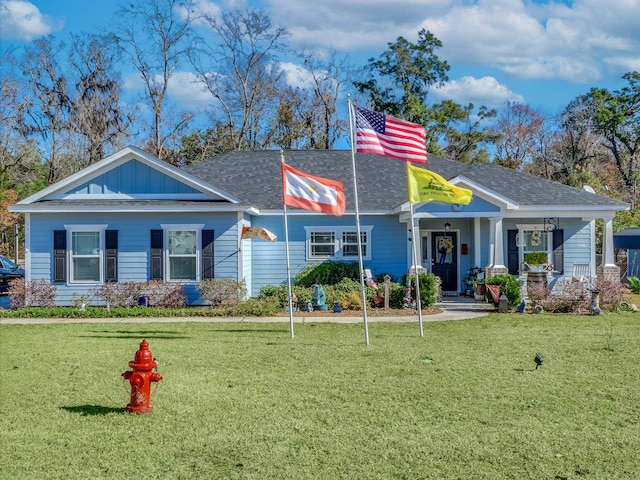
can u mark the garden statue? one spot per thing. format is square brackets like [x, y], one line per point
[319, 299]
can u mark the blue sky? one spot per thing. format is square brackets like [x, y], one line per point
[543, 53]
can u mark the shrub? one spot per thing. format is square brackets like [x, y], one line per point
[163, 294]
[251, 308]
[222, 292]
[611, 293]
[278, 293]
[118, 294]
[80, 300]
[328, 273]
[32, 293]
[634, 284]
[509, 285]
[428, 294]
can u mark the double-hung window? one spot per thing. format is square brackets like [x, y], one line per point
[182, 254]
[340, 243]
[86, 255]
[532, 238]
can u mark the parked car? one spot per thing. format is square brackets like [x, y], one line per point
[8, 271]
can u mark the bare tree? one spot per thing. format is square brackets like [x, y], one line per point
[242, 74]
[517, 128]
[46, 102]
[155, 35]
[327, 80]
[96, 111]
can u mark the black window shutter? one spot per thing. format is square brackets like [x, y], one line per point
[111, 255]
[513, 262]
[156, 255]
[558, 250]
[59, 255]
[207, 254]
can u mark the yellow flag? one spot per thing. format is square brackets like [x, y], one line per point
[426, 186]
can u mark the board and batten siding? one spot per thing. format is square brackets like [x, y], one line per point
[132, 177]
[133, 243]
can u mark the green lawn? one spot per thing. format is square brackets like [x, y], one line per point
[245, 401]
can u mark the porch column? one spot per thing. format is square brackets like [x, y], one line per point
[496, 251]
[492, 241]
[498, 256]
[608, 268]
[477, 258]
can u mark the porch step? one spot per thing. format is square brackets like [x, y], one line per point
[461, 303]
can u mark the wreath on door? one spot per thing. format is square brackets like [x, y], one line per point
[445, 245]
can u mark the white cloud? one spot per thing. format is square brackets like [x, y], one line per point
[350, 25]
[296, 76]
[540, 41]
[479, 91]
[571, 41]
[184, 89]
[22, 20]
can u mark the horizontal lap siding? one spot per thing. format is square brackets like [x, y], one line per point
[269, 266]
[133, 243]
[577, 243]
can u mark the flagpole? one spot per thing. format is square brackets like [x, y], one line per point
[286, 243]
[355, 188]
[415, 268]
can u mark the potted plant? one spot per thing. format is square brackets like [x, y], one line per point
[535, 261]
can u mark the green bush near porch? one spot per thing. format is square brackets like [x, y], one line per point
[509, 285]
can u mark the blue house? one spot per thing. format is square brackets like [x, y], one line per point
[132, 217]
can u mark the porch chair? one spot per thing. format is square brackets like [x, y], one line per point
[581, 271]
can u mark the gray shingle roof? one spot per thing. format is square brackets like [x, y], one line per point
[255, 177]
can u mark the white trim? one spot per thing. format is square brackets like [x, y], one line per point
[172, 227]
[533, 227]
[46, 208]
[136, 196]
[338, 231]
[70, 229]
[27, 246]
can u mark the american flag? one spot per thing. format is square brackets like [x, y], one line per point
[386, 135]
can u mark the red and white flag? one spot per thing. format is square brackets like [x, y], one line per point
[386, 135]
[302, 190]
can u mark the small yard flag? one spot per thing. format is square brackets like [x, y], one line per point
[386, 135]
[426, 186]
[302, 190]
[258, 232]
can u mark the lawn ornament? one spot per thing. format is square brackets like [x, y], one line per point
[319, 299]
[594, 308]
[539, 358]
[140, 378]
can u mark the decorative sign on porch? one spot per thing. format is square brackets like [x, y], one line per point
[551, 224]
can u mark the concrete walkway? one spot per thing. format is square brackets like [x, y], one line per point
[453, 308]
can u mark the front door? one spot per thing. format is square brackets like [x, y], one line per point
[444, 264]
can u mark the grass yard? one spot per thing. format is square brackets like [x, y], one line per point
[245, 401]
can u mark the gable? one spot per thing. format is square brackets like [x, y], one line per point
[132, 178]
[128, 175]
[477, 205]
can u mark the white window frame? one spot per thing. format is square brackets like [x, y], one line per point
[71, 229]
[533, 227]
[338, 232]
[197, 228]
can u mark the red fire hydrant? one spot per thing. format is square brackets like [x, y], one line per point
[140, 379]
